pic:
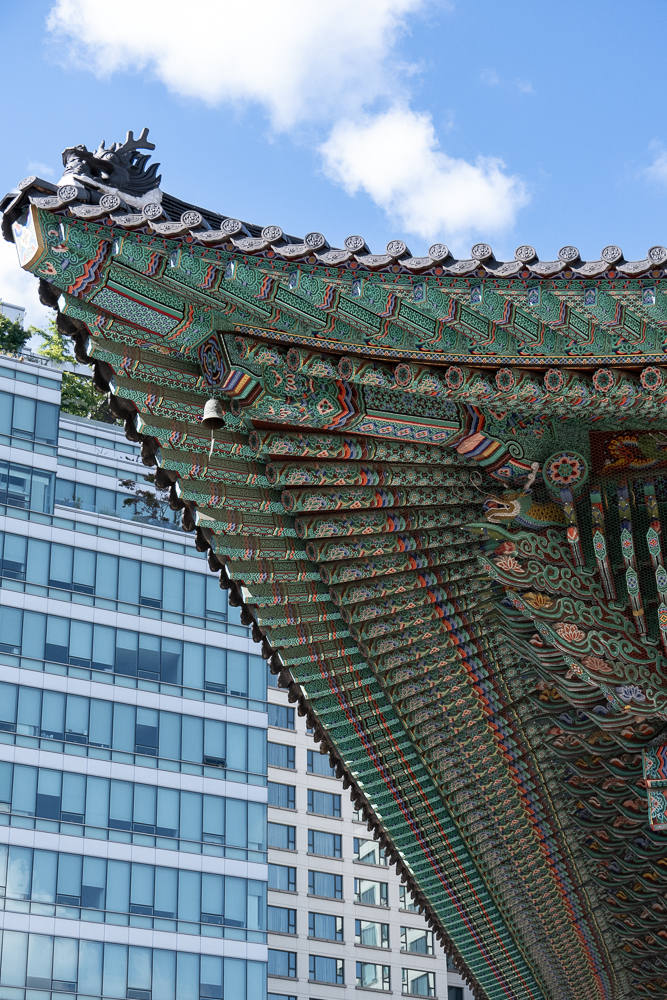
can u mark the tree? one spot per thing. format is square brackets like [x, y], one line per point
[152, 505]
[79, 395]
[13, 336]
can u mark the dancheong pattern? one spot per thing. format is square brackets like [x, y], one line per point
[437, 493]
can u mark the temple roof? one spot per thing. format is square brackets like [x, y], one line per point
[435, 488]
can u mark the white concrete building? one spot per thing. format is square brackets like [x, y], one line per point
[339, 917]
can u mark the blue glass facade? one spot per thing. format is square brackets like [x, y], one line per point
[42, 962]
[133, 715]
[148, 737]
[78, 887]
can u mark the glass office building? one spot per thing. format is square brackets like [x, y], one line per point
[133, 721]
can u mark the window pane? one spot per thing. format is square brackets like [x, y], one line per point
[14, 958]
[65, 961]
[165, 892]
[280, 755]
[115, 970]
[368, 851]
[118, 886]
[282, 963]
[328, 844]
[323, 803]
[172, 591]
[46, 422]
[44, 871]
[212, 889]
[281, 920]
[90, 967]
[23, 421]
[19, 871]
[318, 763]
[282, 836]
[418, 983]
[282, 877]
[282, 795]
[164, 975]
[10, 630]
[40, 961]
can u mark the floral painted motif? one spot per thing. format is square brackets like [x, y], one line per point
[565, 470]
[541, 602]
[630, 692]
[570, 632]
[510, 564]
[597, 665]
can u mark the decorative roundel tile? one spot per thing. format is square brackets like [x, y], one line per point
[210, 359]
[565, 470]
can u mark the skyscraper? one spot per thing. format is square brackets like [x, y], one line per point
[132, 728]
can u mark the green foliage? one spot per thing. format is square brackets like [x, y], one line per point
[13, 336]
[54, 345]
[79, 396]
[154, 506]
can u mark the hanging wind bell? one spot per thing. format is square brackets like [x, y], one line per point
[214, 418]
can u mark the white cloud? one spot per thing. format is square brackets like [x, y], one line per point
[394, 157]
[20, 287]
[657, 171]
[41, 169]
[493, 79]
[299, 60]
[490, 76]
[328, 63]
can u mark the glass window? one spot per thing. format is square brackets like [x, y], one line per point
[282, 836]
[371, 933]
[454, 993]
[417, 983]
[324, 884]
[416, 939]
[280, 755]
[280, 996]
[282, 963]
[282, 877]
[23, 420]
[373, 977]
[405, 900]
[371, 893]
[6, 406]
[281, 716]
[101, 647]
[46, 422]
[318, 763]
[68, 965]
[325, 926]
[236, 825]
[121, 887]
[326, 970]
[21, 486]
[14, 556]
[323, 803]
[328, 844]
[369, 852]
[281, 920]
[283, 796]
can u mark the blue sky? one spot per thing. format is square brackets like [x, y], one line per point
[431, 122]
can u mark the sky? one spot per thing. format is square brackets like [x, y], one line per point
[442, 121]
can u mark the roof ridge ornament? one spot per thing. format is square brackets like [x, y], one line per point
[121, 169]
